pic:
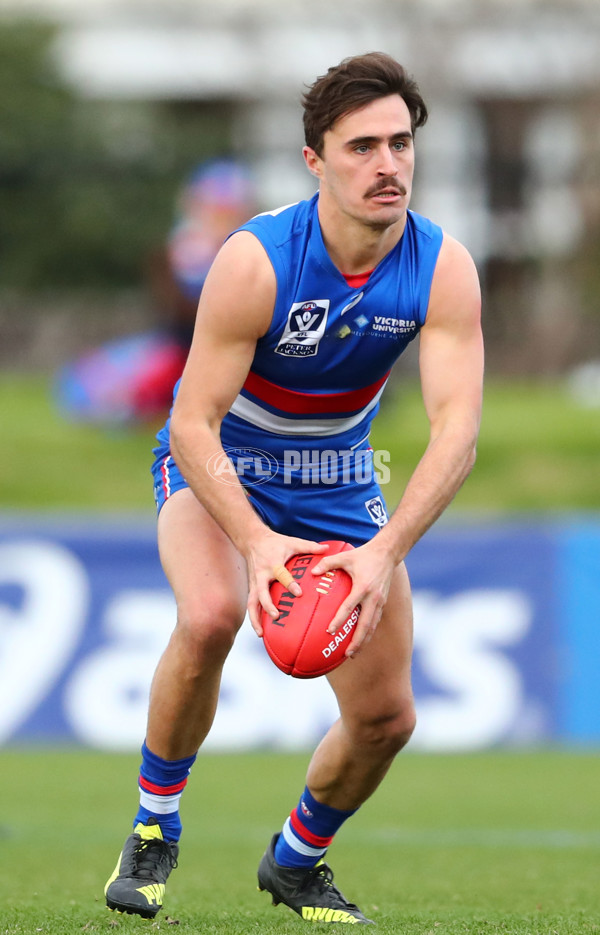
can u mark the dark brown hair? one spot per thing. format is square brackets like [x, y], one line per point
[352, 84]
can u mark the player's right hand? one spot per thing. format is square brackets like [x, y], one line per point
[265, 559]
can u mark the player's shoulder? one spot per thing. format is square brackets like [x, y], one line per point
[454, 255]
[424, 226]
[279, 224]
[450, 250]
[425, 238]
[455, 288]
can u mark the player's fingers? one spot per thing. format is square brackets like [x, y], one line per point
[298, 547]
[281, 574]
[259, 602]
[254, 613]
[344, 614]
[307, 545]
[362, 634]
[265, 601]
[368, 620]
[328, 562]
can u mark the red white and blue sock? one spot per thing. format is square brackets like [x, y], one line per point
[161, 785]
[308, 832]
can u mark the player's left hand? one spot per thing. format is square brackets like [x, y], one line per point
[371, 568]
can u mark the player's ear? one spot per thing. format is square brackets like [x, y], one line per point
[313, 162]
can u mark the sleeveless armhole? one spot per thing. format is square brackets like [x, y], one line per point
[276, 260]
[430, 252]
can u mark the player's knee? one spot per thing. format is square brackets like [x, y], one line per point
[402, 727]
[208, 626]
[390, 732]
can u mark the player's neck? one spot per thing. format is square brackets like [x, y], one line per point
[354, 246]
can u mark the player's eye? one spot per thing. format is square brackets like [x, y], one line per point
[398, 146]
[361, 148]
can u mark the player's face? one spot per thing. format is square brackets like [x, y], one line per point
[367, 165]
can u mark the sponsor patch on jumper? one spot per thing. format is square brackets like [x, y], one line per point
[387, 325]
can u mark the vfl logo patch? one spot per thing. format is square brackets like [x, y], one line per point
[377, 511]
[304, 329]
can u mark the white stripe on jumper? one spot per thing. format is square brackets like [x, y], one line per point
[297, 845]
[280, 425]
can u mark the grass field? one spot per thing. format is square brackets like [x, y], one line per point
[485, 843]
[491, 843]
[538, 451]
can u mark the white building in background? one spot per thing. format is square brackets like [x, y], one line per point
[506, 163]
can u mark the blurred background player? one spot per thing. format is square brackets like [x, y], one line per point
[216, 199]
[131, 379]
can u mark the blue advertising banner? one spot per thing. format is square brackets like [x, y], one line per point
[579, 646]
[506, 644]
[486, 636]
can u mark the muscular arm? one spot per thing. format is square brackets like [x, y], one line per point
[451, 367]
[235, 309]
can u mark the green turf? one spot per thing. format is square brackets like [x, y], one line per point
[538, 448]
[485, 843]
[55, 464]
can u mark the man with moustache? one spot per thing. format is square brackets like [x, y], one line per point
[301, 318]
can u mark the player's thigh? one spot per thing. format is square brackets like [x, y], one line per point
[207, 574]
[376, 683]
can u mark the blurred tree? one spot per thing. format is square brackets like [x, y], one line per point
[87, 187]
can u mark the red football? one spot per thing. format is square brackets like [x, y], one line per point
[298, 641]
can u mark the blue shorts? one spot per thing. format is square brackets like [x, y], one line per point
[314, 494]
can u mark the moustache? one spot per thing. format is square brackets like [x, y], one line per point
[386, 183]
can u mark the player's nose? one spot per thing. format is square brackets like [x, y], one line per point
[386, 164]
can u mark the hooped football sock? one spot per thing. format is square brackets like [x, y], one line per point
[308, 832]
[161, 785]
